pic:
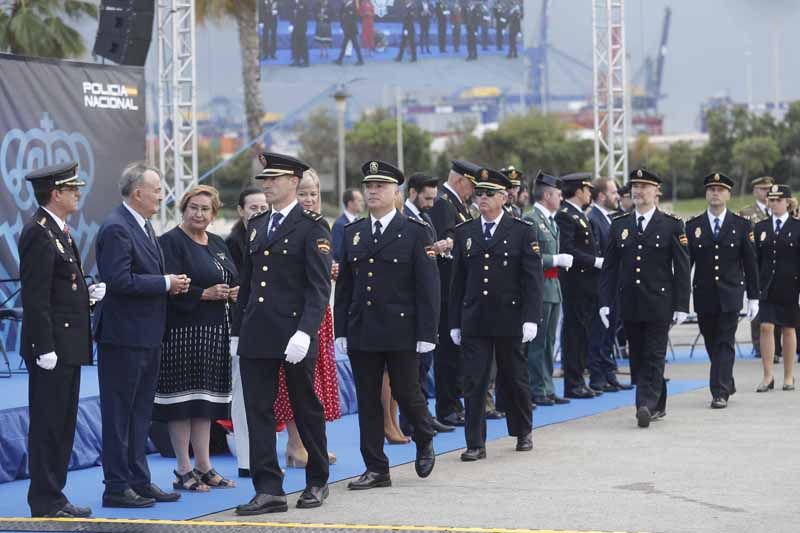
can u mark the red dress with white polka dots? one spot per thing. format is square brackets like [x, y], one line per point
[326, 384]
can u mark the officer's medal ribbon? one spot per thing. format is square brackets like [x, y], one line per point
[683, 240]
[356, 238]
[430, 252]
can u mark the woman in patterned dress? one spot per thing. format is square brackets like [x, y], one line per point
[194, 383]
[326, 383]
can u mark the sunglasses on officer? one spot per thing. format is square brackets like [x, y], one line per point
[487, 192]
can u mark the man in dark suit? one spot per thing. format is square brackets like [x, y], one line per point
[441, 24]
[386, 311]
[498, 12]
[353, 202]
[409, 32]
[285, 288]
[425, 14]
[473, 19]
[646, 270]
[495, 307]
[602, 368]
[269, 35]
[129, 327]
[514, 27]
[722, 250]
[449, 210]
[578, 284]
[348, 17]
[421, 195]
[56, 336]
[299, 39]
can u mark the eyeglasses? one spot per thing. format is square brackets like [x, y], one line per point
[487, 192]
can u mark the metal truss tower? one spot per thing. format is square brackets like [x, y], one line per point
[177, 94]
[610, 99]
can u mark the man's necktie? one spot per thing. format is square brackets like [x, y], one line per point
[716, 228]
[276, 221]
[777, 225]
[150, 232]
[487, 230]
[377, 233]
[640, 224]
[66, 232]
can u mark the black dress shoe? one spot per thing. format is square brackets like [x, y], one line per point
[70, 511]
[425, 460]
[153, 491]
[719, 403]
[455, 419]
[127, 499]
[442, 428]
[370, 480]
[262, 504]
[312, 497]
[581, 393]
[244, 472]
[543, 400]
[605, 387]
[525, 443]
[473, 454]
[622, 386]
[558, 399]
[495, 415]
[643, 417]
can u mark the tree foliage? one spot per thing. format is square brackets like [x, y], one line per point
[40, 28]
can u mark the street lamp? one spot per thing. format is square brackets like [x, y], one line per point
[340, 96]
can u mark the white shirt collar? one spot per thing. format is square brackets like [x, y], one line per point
[139, 218]
[496, 222]
[349, 216]
[647, 216]
[576, 206]
[452, 191]
[60, 222]
[782, 218]
[411, 207]
[385, 220]
[286, 210]
[721, 218]
[546, 212]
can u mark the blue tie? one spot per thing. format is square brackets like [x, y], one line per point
[777, 225]
[716, 229]
[487, 230]
[276, 221]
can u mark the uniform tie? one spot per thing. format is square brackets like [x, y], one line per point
[777, 225]
[487, 230]
[276, 221]
[639, 224]
[716, 228]
[377, 232]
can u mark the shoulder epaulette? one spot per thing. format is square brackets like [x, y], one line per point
[526, 222]
[359, 219]
[564, 210]
[695, 217]
[621, 216]
[737, 215]
[42, 222]
[256, 217]
[418, 221]
[313, 215]
[464, 223]
[670, 215]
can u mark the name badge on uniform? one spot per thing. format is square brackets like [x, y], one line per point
[356, 238]
[253, 235]
[624, 234]
[697, 233]
[469, 243]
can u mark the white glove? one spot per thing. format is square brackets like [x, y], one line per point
[97, 291]
[529, 330]
[341, 344]
[425, 347]
[455, 334]
[234, 346]
[598, 263]
[752, 309]
[47, 360]
[679, 317]
[563, 260]
[297, 348]
[604, 312]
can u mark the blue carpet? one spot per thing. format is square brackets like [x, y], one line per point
[84, 487]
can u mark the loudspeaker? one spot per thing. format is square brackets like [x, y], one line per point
[125, 31]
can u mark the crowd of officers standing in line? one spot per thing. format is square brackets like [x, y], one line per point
[464, 276]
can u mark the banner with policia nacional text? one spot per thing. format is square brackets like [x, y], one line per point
[55, 111]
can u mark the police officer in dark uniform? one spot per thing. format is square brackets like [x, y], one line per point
[386, 311]
[409, 32]
[514, 26]
[348, 17]
[499, 23]
[495, 307]
[515, 177]
[449, 210]
[425, 14]
[441, 24]
[722, 251]
[647, 266]
[269, 35]
[778, 246]
[299, 39]
[56, 336]
[485, 19]
[578, 284]
[285, 288]
[473, 19]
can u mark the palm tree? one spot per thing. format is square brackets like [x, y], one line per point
[244, 13]
[37, 27]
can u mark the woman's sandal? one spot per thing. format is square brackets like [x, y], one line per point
[214, 480]
[189, 481]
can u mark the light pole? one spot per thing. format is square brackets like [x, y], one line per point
[399, 112]
[340, 96]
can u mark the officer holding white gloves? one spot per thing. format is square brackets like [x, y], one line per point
[284, 291]
[495, 307]
[56, 335]
[646, 271]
